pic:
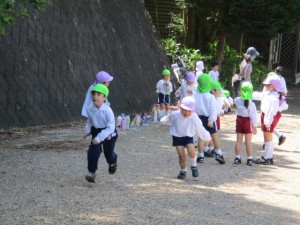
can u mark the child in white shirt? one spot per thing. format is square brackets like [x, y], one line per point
[188, 87]
[270, 107]
[101, 126]
[164, 88]
[206, 109]
[245, 122]
[214, 73]
[184, 125]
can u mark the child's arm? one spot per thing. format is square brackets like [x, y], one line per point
[88, 127]
[213, 112]
[201, 132]
[256, 95]
[253, 116]
[166, 120]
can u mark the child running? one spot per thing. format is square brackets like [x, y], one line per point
[184, 125]
[101, 126]
[245, 122]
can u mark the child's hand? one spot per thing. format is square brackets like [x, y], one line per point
[85, 135]
[95, 142]
[211, 125]
[254, 130]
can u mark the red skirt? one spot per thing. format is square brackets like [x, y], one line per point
[274, 123]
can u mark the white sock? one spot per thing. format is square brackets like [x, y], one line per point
[193, 161]
[184, 169]
[218, 151]
[249, 157]
[201, 154]
[277, 133]
[268, 149]
[238, 156]
[206, 148]
[211, 148]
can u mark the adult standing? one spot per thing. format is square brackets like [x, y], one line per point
[245, 69]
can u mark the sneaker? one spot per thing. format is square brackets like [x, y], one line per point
[220, 159]
[181, 175]
[262, 161]
[249, 162]
[90, 177]
[209, 154]
[195, 172]
[237, 161]
[271, 161]
[200, 159]
[112, 168]
[281, 140]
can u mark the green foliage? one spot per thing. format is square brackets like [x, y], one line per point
[10, 10]
[229, 67]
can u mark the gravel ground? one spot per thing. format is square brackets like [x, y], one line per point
[42, 179]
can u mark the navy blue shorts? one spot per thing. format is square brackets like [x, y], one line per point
[182, 141]
[163, 99]
[204, 120]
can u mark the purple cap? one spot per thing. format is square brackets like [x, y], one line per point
[188, 103]
[275, 80]
[190, 76]
[103, 76]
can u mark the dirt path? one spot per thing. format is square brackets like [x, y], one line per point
[42, 179]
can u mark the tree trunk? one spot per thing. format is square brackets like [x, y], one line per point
[220, 48]
[189, 27]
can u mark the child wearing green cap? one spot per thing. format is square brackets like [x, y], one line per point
[245, 122]
[216, 91]
[206, 109]
[101, 126]
[164, 88]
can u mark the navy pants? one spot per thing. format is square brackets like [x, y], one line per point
[94, 151]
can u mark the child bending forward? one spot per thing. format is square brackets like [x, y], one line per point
[185, 124]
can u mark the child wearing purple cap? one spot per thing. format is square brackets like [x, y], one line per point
[187, 88]
[270, 107]
[102, 77]
[185, 124]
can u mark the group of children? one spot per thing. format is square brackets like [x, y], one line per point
[197, 119]
[202, 99]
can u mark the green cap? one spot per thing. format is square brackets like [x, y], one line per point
[166, 72]
[101, 88]
[204, 83]
[226, 93]
[215, 85]
[246, 90]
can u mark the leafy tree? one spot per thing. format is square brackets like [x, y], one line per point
[10, 10]
[213, 20]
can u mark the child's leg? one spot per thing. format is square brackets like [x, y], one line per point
[108, 147]
[238, 145]
[217, 143]
[277, 133]
[193, 159]
[181, 156]
[248, 143]
[93, 155]
[218, 150]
